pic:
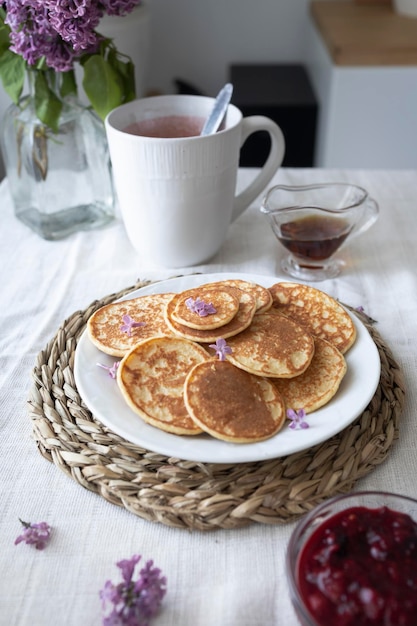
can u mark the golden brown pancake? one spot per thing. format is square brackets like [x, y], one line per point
[261, 294]
[273, 345]
[104, 326]
[285, 356]
[321, 314]
[319, 383]
[151, 378]
[241, 320]
[231, 404]
[225, 301]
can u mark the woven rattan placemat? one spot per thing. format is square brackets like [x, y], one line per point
[201, 496]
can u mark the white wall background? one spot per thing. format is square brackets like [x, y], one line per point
[196, 40]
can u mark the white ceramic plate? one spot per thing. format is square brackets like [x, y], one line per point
[100, 393]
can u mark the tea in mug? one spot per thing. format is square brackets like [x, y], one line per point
[169, 126]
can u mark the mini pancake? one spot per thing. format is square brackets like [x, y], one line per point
[261, 294]
[231, 404]
[242, 319]
[104, 326]
[151, 379]
[321, 314]
[319, 383]
[225, 302]
[273, 346]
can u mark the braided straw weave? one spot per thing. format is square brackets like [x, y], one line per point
[203, 496]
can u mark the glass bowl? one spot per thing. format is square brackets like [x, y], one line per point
[355, 571]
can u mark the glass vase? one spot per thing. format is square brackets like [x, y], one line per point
[60, 182]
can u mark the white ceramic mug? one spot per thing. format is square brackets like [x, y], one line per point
[177, 196]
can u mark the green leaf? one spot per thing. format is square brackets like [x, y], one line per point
[69, 84]
[47, 105]
[12, 74]
[126, 71]
[102, 84]
[4, 38]
[123, 65]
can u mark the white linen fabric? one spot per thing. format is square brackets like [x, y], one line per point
[226, 577]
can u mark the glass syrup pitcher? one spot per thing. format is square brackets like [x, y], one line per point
[314, 221]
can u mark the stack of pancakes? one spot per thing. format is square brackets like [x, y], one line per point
[285, 350]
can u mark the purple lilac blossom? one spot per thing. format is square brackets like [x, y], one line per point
[360, 309]
[221, 348]
[200, 307]
[297, 418]
[59, 30]
[33, 37]
[75, 21]
[112, 370]
[37, 534]
[129, 323]
[119, 7]
[134, 602]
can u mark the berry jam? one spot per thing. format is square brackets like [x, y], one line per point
[359, 568]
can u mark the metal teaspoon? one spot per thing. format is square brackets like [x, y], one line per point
[219, 109]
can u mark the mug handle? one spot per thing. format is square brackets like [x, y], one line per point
[251, 125]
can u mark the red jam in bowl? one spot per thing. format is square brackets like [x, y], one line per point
[359, 568]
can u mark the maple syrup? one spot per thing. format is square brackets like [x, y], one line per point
[314, 237]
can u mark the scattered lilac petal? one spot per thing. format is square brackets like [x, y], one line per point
[133, 602]
[297, 418]
[360, 309]
[129, 324]
[112, 369]
[127, 567]
[221, 348]
[37, 534]
[200, 307]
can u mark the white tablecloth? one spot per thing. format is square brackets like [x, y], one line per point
[225, 577]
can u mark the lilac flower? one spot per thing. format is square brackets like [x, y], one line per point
[119, 7]
[60, 56]
[33, 36]
[112, 370]
[35, 534]
[221, 348]
[76, 22]
[360, 309]
[134, 602]
[200, 307]
[52, 37]
[130, 323]
[58, 30]
[297, 418]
